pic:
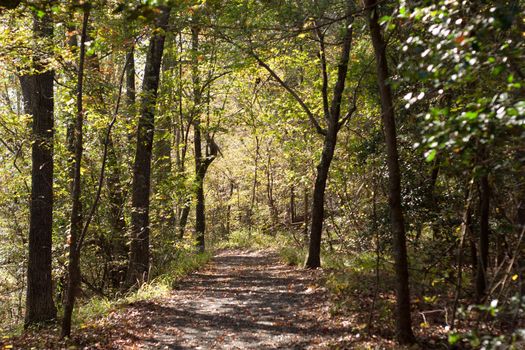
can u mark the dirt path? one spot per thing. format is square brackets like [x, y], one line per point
[243, 300]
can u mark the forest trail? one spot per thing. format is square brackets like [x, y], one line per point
[242, 300]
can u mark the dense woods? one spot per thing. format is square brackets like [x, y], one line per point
[381, 141]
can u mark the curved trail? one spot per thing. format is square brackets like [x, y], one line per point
[242, 300]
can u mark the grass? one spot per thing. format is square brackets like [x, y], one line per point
[290, 252]
[185, 262]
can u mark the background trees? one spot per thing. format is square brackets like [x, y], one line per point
[271, 114]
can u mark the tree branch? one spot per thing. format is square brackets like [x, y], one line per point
[292, 92]
[324, 89]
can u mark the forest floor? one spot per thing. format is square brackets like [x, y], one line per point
[241, 300]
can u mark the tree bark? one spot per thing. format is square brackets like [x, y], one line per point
[316, 225]
[76, 215]
[139, 248]
[200, 215]
[130, 88]
[38, 102]
[483, 256]
[202, 162]
[116, 200]
[404, 321]
[183, 220]
[332, 116]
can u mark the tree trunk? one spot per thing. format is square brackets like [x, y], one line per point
[76, 214]
[316, 226]
[139, 248]
[269, 191]
[306, 214]
[200, 215]
[229, 209]
[404, 322]
[38, 102]
[201, 162]
[130, 88]
[116, 200]
[332, 116]
[483, 256]
[183, 220]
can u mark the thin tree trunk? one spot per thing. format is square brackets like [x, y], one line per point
[200, 218]
[130, 79]
[332, 116]
[229, 209]
[316, 225]
[201, 163]
[181, 132]
[116, 199]
[139, 248]
[130, 88]
[465, 228]
[269, 192]
[519, 220]
[183, 220]
[255, 179]
[481, 271]
[306, 211]
[404, 321]
[76, 215]
[38, 102]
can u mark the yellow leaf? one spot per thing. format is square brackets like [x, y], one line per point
[515, 277]
[8, 346]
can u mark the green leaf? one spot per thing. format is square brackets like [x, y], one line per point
[431, 155]
[471, 115]
[384, 19]
[453, 338]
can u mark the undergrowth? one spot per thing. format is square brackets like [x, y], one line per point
[290, 251]
[185, 262]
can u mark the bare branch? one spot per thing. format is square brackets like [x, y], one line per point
[353, 105]
[292, 92]
[322, 57]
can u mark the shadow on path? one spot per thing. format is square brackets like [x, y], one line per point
[244, 300]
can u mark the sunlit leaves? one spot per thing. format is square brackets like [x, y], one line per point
[468, 72]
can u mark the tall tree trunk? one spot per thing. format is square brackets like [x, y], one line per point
[163, 180]
[404, 322]
[38, 102]
[200, 162]
[181, 131]
[130, 88]
[483, 256]
[116, 198]
[316, 224]
[76, 215]
[332, 116]
[139, 249]
[115, 246]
